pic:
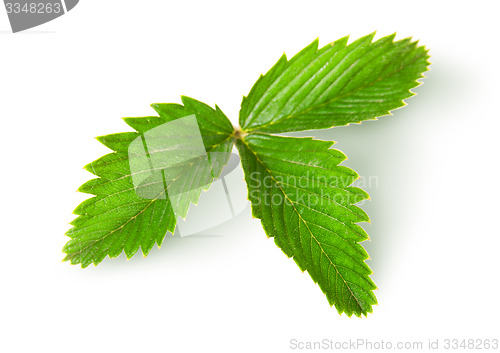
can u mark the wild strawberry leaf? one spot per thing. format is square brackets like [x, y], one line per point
[297, 186]
[305, 201]
[126, 212]
[336, 85]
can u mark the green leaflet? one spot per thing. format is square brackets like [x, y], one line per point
[306, 203]
[334, 86]
[116, 219]
[297, 186]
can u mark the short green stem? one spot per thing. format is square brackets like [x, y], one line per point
[239, 134]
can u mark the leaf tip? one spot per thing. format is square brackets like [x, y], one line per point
[156, 107]
[185, 99]
[103, 140]
[371, 36]
[89, 168]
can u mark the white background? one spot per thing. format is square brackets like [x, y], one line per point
[435, 238]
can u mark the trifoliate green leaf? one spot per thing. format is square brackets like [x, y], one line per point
[297, 186]
[335, 85]
[305, 202]
[136, 208]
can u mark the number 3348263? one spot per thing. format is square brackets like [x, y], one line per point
[33, 7]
